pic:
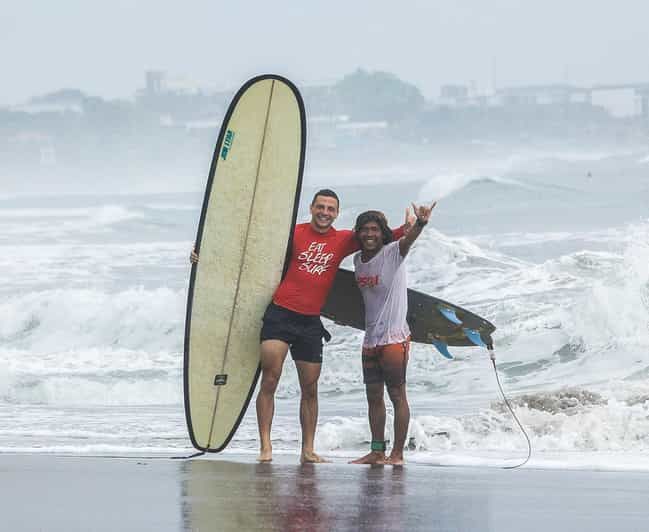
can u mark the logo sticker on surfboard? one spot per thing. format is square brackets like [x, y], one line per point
[227, 144]
[221, 379]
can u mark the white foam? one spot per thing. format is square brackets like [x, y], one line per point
[44, 213]
[571, 420]
[65, 320]
[88, 346]
[105, 214]
[443, 185]
[609, 236]
[615, 313]
[126, 387]
[170, 206]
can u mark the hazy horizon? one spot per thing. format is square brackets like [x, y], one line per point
[104, 48]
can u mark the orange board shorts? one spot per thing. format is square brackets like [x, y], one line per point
[386, 363]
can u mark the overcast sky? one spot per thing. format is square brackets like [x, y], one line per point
[104, 47]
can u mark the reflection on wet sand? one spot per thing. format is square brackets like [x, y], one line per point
[220, 495]
[380, 499]
[229, 496]
[294, 501]
[127, 494]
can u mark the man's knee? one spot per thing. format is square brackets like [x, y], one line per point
[308, 375]
[397, 394]
[374, 393]
[270, 380]
[309, 389]
[272, 355]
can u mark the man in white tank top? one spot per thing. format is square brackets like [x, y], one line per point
[381, 277]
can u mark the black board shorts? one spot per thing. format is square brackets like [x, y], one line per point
[302, 333]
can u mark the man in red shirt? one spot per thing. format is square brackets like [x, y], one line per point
[292, 320]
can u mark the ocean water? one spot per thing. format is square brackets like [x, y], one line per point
[553, 249]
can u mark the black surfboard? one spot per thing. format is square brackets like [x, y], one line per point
[431, 320]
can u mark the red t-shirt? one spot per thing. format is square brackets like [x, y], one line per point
[312, 268]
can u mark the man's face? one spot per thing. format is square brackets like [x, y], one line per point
[324, 211]
[370, 236]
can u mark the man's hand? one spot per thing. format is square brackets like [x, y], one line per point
[193, 257]
[422, 213]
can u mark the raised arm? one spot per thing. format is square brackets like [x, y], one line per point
[422, 214]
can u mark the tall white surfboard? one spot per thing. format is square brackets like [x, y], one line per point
[246, 224]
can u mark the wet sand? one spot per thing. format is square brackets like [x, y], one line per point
[41, 492]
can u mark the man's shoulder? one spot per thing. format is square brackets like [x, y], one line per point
[303, 229]
[389, 247]
[392, 249]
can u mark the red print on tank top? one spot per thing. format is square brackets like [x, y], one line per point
[367, 281]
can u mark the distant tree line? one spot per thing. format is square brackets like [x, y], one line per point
[166, 127]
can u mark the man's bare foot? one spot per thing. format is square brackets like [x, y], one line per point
[396, 460]
[265, 455]
[375, 457]
[309, 457]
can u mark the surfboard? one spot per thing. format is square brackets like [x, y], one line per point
[246, 222]
[431, 320]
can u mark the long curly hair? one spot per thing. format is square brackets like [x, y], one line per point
[379, 218]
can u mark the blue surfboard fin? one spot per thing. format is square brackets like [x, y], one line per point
[450, 315]
[442, 348]
[474, 337]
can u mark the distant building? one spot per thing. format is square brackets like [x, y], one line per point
[48, 156]
[619, 101]
[361, 131]
[62, 101]
[453, 95]
[154, 82]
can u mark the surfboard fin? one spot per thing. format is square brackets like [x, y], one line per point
[450, 315]
[442, 347]
[474, 337]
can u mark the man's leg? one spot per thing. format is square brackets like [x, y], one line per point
[308, 374]
[376, 414]
[401, 421]
[395, 363]
[273, 353]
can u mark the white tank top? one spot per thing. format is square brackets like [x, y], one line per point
[383, 284]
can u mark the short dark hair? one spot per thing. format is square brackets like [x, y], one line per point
[379, 218]
[327, 193]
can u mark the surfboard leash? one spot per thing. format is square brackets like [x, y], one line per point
[199, 453]
[492, 357]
